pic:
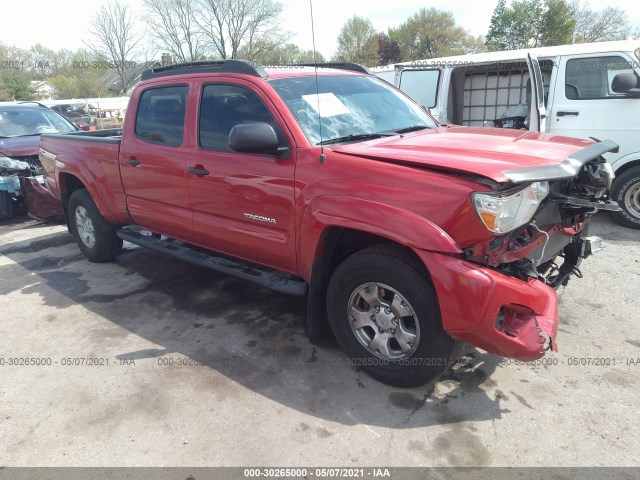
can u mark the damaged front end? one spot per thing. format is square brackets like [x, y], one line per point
[546, 219]
[22, 188]
[541, 236]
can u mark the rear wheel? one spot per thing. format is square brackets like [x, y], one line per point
[626, 191]
[384, 313]
[96, 237]
[6, 205]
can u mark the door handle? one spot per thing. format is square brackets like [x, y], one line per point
[133, 161]
[198, 171]
[565, 114]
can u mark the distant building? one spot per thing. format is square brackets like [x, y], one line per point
[43, 90]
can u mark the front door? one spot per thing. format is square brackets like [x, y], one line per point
[243, 204]
[587, 102]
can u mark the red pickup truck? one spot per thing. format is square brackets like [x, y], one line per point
[408, 238]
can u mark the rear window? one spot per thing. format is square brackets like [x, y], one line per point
[160, 117]
[421, 85]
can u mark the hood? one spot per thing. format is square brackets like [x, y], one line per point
[487, 152]
[20, 146]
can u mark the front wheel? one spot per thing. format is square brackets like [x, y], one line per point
[384, 313]
[96, 237]
[626, 191]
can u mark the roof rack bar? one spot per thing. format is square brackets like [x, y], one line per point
[34, 102]
[207, 66]
[354, 67]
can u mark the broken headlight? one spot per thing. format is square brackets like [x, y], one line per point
[502, 213]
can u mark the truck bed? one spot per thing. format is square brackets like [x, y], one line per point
[92, 159]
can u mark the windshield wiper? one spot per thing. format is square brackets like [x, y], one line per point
[354, 137]
[412, 128]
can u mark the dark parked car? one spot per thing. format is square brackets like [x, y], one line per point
[82, 115]
[20, 170]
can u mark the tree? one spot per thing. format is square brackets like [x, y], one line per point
[173, 26]
[431, 33]
[229, 25]
[282, 55]
[530, 23]
[388, 50]
[557, 23]
[115, 39]
[357, 42]
[608, 24]
[80, 76]
[14, 85]
[513, 26]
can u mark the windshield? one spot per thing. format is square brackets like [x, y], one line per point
[17, 122]
[350, 106]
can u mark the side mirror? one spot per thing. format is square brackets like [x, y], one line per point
[253, 138]
[634, 92]
[625, 83]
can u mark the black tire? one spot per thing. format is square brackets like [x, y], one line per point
[6, 205]
[431, 353]
[106, 245]
[626, 191]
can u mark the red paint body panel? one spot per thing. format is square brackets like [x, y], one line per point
[40, 202]
[412, 189]
[19, 146]
[470, 150]
[470, 299]
[95, 164]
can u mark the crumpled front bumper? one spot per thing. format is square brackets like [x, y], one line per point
[500, 314]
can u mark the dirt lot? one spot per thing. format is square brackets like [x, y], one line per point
[154, 362]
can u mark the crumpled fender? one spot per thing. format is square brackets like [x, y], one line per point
[401, 226]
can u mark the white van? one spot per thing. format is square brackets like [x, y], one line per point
[585, 90]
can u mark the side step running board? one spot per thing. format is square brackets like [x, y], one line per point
[246, 271]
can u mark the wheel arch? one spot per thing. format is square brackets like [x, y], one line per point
[69, 182]
[627, 165]
[333, 229]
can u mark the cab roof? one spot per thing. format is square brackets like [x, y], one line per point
[246, 67]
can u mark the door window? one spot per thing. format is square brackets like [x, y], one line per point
[160, 116]
[594, 78]
[222, 107]
[421, 85]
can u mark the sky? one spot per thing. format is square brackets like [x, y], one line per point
[65, 23]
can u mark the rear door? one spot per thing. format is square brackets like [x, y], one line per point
[586, 102]
[152, 162]
[537, 113]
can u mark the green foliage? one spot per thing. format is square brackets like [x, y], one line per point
[557, 24]
[279, 55]
[528, 23]
[14, 85]
[284, 55]
[431, 33]
[358, 42]
[514, 26]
